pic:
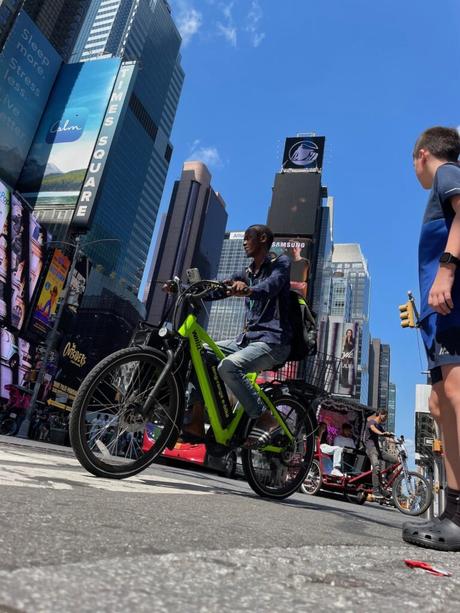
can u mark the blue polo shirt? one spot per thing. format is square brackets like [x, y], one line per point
[437, 221]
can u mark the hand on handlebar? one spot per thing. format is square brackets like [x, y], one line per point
[239, 288]
[170, 287]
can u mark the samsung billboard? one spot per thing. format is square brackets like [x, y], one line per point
[28, 68]
[61, 152]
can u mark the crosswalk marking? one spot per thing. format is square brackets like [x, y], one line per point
[30, 469]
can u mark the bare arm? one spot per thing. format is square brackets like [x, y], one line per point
[440, 297]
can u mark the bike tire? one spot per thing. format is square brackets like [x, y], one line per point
[422, 482]
[260, 465]
[8, 426]
[78, 425]
[312, 483]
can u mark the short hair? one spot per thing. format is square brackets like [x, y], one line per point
[382, 412]
[260, 229]
[346, 425]
[442, 143]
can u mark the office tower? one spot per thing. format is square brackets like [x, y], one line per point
[192, 236]
[226, 319]
[59, 20]
[129, 195]
[349, 262]
[379, 374]
[392, 407]
[296, 211]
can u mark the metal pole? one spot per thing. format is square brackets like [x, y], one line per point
[50, 344]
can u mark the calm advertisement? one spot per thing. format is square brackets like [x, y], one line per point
[28, 67]
[4, 210]
[60, 154]
[45, 310]
[298, 251]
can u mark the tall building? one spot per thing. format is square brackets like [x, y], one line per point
[392, 407]
[192, 236]
[226, 319]
[349, 263]
[379, 374]
[59, 20]
[128, 197]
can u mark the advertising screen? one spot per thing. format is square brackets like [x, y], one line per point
[28, 67]
[4, 210]
[298, 249]
[9, 362]
[18, 262]
[344, 344]
[45, 310]
[62, 148]
[304, 152]
[295, 203]
[37, 239]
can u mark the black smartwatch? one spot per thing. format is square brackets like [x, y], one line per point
[448, 258]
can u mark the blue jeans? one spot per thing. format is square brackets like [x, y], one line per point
[255, 357]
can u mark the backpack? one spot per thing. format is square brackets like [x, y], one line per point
[304, 334]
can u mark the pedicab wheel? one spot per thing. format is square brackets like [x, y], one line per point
[412, 493]
[278, 475]
[313, 480]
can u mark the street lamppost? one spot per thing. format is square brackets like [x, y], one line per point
[51, 340]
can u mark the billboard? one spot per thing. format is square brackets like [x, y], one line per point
[94, 174]
[343, 343]
[45, 309]
[4, 216]
[304, 153]
[18, 241]
[295, 203]
[28, 67]
[61, 151]
[299, 251]
[37, 240]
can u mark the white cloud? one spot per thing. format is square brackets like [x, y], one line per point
[208, 155]
[188, 20]
[228, 29]
[253, 18]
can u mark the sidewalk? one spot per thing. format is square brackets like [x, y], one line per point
[37, 445]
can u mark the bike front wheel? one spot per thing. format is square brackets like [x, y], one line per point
[313, 481]
[108, 432]
[412, 493]
[279, 475]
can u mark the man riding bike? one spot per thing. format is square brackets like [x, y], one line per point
[265, 339]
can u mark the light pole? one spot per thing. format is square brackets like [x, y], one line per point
[53, 335]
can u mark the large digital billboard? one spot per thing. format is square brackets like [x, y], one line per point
[18, 257]
[343, 344]
[4, 216]
[296, 201]
[62, 148]
[46, 307]
[304, 153]
[28, 67]
[299, 251]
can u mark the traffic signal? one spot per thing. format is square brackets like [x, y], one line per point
[407, 315]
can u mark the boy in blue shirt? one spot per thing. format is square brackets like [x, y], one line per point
[436, 165]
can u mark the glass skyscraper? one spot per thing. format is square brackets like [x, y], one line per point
[226, 319]
[391, 408]
[349, 262]
[127, 202]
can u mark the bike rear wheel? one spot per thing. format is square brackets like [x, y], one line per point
[109, 435]
[279, 475]
[412, 493]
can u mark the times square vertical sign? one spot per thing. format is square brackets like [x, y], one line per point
[115, 111]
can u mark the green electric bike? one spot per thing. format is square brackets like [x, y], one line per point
[131, 406]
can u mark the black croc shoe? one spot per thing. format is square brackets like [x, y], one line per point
[442, 535]
[421, 525]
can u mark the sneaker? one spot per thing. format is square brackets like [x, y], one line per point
[335, 472]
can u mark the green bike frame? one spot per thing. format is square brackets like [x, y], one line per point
[223, 434]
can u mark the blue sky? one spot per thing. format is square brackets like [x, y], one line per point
[368, 76]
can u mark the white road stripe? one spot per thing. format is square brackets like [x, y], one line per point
[28, 469]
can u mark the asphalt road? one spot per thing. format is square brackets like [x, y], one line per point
[173, 538]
